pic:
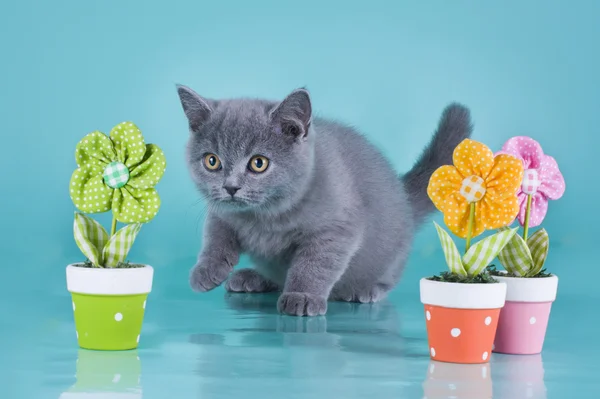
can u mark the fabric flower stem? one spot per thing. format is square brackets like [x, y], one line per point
[527, 212]
[113, 227]
[470, 225]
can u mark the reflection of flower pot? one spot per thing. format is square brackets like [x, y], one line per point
[465, 381]
[522, 376]
[108, 374]
[461, 319]
[524, 318]
[108, 305]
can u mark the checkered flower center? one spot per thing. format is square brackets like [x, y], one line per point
[531, 181]
[472, 188]
[116, 175]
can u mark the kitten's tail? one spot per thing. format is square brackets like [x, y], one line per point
[454, 126]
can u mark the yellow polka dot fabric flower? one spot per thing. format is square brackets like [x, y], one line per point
[478, 192]
[118, 173]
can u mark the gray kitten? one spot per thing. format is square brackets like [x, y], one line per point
[320, 211]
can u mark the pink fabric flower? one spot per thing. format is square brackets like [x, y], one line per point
[542, 178]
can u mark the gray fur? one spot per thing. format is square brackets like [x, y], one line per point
[329, 219]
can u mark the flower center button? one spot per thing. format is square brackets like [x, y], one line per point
[116, 175]
[472, 188]
[531, 181]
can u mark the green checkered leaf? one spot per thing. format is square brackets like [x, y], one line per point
[482, 253]
[117, 248]
[450, 252]
[90, 237]
[516, 257]
[538, 243]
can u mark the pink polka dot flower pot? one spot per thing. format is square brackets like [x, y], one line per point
[524, 318]
[109, 305]
[530, 290]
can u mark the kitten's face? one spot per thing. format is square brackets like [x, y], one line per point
[249, 155]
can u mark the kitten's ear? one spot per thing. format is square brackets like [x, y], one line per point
[294, 114]
[196, 108]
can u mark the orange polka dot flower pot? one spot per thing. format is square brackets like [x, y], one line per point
[461, 319]
[115, 173]
[462, 305]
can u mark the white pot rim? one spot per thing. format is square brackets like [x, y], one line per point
[530, 289]
[109, 281]
[462, 295]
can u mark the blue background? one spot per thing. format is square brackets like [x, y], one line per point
[388, 68]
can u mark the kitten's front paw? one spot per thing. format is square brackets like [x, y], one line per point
[208, 275]
[301, 304]
[249, 280]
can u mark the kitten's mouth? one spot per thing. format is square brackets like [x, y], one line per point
[235, 202]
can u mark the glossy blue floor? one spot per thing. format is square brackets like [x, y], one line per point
[219, 345]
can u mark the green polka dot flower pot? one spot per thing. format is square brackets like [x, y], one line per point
[109, 305]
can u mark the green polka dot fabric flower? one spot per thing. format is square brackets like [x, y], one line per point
[118, 172]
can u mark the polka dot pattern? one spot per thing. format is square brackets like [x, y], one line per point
[526, 149]
[149, 172]
[95, 149]
[522, 327]
[108, 322]
[88, 191]
[131, 205]
[472, 158]
[539, 209]
[551, 181]
[443, 182]
[476, 177]
[456, 216]
[461, 335]
[133, 200]
[129, 143]
[500, 205]
[504, 180]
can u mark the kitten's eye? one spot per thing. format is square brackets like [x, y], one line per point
[258, 164]
[212, 162]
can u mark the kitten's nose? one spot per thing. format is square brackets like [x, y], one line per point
[231, 190]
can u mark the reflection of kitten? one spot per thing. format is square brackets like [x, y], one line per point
[319, 210]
